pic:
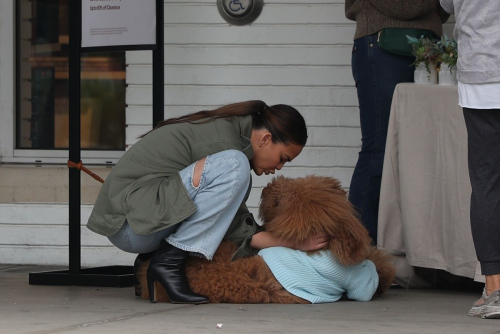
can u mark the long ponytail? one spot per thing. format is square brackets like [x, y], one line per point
[204, 116]
[284, 122]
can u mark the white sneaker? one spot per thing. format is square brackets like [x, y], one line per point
[487, 307]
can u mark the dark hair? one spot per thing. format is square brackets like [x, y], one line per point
[285, 123]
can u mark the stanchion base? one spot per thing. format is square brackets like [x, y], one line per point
[111, 276]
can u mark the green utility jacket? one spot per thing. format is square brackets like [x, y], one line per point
[145, 188]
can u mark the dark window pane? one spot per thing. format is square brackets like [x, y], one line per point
[42, 108]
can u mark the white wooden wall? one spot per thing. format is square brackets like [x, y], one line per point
[297, 52]
[40, 236]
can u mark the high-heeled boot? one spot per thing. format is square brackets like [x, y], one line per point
[139, 260]
[168, 267]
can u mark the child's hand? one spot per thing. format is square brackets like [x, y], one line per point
[316, 242]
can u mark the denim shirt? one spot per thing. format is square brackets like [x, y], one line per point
[145, 188]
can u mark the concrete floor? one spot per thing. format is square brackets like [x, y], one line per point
[52, 309]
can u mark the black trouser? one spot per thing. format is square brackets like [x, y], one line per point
[483, 128]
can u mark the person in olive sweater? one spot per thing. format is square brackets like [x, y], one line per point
[182, 188]
[376, 73]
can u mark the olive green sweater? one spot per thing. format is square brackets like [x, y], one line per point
[371, 16]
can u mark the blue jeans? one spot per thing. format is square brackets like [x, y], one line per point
[376, 74]
[224, 183]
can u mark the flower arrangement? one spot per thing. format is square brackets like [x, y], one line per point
[425, 50]
[448, 51]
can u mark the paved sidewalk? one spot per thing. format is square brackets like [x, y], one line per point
[49, 309]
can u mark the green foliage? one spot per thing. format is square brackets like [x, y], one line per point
[425, 50]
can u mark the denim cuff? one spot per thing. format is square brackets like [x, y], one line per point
[191, 250]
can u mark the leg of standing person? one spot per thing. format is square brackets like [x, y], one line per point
[376, 74]
[483, 130]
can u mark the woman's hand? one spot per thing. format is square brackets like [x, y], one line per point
[316, 242]
[263, 240]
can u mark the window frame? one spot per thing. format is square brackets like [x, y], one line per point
[7, 79]
[8, 103]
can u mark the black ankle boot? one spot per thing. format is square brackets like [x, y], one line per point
[168, 267]
[139, 260]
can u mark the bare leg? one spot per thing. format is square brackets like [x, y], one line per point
[492, 283]
[198, 169]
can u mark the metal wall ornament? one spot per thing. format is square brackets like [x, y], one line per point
[240, 12]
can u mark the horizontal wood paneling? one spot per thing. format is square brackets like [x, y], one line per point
[37, 233]
[237, 75]
[220, 95]
[47, 184]
[272, 14]
[58, 255]
[47, 235]
[260, 35]
[326, 157]
[39, 214]
[314, 116]
[318, 136]
[343, 174]
[235, 54]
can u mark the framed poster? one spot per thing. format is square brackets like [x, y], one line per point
[118, 25]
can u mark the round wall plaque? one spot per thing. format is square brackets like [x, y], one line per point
[240, 12]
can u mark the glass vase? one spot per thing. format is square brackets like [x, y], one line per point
[447, 77]
[422, 77]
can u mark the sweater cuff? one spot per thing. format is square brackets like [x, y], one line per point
[447, 6]
[245, 250]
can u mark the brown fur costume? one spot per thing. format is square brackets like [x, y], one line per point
[292, 209]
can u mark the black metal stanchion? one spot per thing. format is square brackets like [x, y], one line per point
[74, 137]
[109, 276]
[159, 67]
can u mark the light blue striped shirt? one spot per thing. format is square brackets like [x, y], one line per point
[319, 277]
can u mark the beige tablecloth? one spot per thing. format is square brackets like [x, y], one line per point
[425, 194]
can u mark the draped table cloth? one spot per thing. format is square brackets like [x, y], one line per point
[425, 192]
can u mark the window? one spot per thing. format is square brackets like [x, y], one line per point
[42, 84]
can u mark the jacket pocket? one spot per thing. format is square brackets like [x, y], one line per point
[138, 184]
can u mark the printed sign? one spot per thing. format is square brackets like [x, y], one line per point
[118, 23]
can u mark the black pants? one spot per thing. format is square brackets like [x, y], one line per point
[483, 128]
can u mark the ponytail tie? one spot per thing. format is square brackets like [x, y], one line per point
[263, 108]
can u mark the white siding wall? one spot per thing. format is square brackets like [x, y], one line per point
[297, 52]
[39, 235]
